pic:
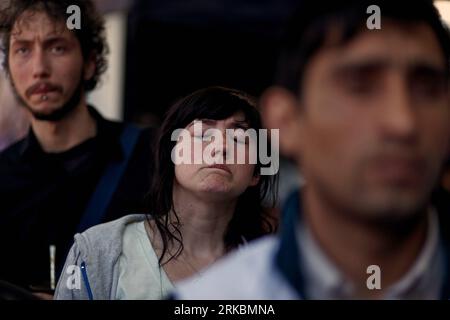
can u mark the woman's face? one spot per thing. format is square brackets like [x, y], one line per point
[222, 176]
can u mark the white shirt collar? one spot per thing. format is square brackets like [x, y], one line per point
[323, 280]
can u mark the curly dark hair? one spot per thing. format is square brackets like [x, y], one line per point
[91, 35]
[251, 218]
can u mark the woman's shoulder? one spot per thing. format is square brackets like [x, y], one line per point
[116, 225]
[108, 234]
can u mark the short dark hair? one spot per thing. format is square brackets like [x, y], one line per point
[91, 35]
[251, 218]
[308, 28]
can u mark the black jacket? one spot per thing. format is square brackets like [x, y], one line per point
[43, 196]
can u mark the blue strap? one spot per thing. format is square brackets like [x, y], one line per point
[108, 183]
[287, 258]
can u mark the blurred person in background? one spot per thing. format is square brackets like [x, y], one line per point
[13, 120]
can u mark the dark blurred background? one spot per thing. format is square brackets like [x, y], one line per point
[175, 47]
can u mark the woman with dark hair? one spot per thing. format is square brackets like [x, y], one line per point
[198, 210]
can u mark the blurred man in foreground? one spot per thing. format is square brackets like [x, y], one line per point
[368, 112]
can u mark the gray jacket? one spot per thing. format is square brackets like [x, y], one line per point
[91, 270]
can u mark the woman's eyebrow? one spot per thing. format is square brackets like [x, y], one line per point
[240, 124]
[243, 124]
[208, 122]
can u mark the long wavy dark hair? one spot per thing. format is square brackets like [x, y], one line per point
[251, 218]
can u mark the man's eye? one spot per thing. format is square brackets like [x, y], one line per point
[58, 49]
[429, 85]
[358, 81]
[22, 51]
[359, 86]
[429, 89]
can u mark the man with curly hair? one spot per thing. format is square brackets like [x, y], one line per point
[74, 169]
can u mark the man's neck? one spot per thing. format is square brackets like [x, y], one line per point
[353, 245]
[62, 135]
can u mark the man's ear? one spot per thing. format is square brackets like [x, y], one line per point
[89, 67]
[279, 109]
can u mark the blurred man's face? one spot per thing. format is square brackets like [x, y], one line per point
[46, 65]
[375, 121]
